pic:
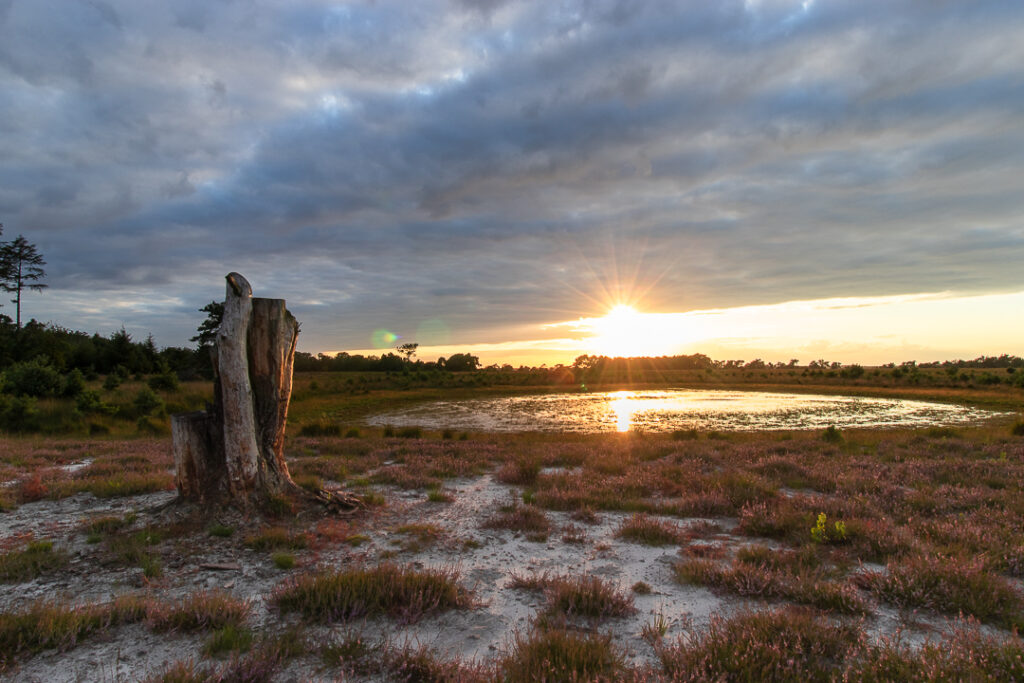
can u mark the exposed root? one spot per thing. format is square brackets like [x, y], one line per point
[340, 502]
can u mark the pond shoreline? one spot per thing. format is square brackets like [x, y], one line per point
[667, 410]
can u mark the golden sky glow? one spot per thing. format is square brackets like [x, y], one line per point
[868, 330]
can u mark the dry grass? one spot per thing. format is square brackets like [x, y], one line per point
[641, 528]
[774, 579]
[198, 612]
[560, 655]
[402, 592]
[576, 596]
[782, 645]
[528, 519]
[951, 586]
[277, 538]
[36, 558]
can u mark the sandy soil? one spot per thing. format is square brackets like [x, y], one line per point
[485, 559]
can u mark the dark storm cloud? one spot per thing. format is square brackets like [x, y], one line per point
[491, 163]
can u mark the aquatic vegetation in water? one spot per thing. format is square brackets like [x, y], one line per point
[686, 414]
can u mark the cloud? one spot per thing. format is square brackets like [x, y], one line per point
[500, 164]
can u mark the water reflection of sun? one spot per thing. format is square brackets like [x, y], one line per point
[624, 406]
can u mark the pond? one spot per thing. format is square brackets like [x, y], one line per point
[675, 409]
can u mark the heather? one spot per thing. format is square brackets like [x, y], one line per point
[881, 555]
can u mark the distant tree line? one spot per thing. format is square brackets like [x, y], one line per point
[39, 357]
[388, 362]
[64, 350]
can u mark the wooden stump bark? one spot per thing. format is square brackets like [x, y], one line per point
[234, 450]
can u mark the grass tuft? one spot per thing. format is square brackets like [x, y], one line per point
[440, 495]
[560, 655]
[37, 557]
[641, 528]
[782, 645]
[277, 538]
[229, 638]
[951, 586]
[403, 592]
[582, 595]
[221, 531]
[199, 612]
[774, 580]
[283, 560]
[525, 518]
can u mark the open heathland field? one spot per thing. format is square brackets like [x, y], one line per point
[813, 555]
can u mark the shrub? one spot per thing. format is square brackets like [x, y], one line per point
[521, 470]
[320, 428]
[525, 518]
[221, 530]
[88, 401]
[440, 495]
[165, 381]
[792, 583]
[283, 560]
[32, 488]
[74, 384]
[822, 533]
[948, 585]
[23, 565]
[783, 645]
[277, 538]
[32, 378]
[561, 655]
[966, 654]
[49, 625]
[587, 596]
[199, 612]
[146, 402]
[18, 413]
[403, 592]
[641, 528]
[832, 435]
[230, 638]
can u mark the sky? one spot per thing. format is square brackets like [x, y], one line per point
[759, 178]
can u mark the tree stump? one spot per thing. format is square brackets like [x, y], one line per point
[234, 450]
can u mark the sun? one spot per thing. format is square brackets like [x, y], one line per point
[624, 331]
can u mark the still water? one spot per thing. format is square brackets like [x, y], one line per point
[668, 410]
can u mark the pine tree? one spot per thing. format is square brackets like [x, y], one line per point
[21, 268]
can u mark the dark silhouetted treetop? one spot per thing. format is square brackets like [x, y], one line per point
[208, 328]
[21, 267]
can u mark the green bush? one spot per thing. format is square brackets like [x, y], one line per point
[852, 372]
[165, 381]
[18, 413]
[74, 384]
[146, 402]
[832, 435]
[320, 428]
[89, 401]
[32, 378]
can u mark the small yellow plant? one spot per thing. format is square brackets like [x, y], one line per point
[820, 533]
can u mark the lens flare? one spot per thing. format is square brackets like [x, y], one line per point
[383, 339]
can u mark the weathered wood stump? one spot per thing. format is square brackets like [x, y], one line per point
[234, 450]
